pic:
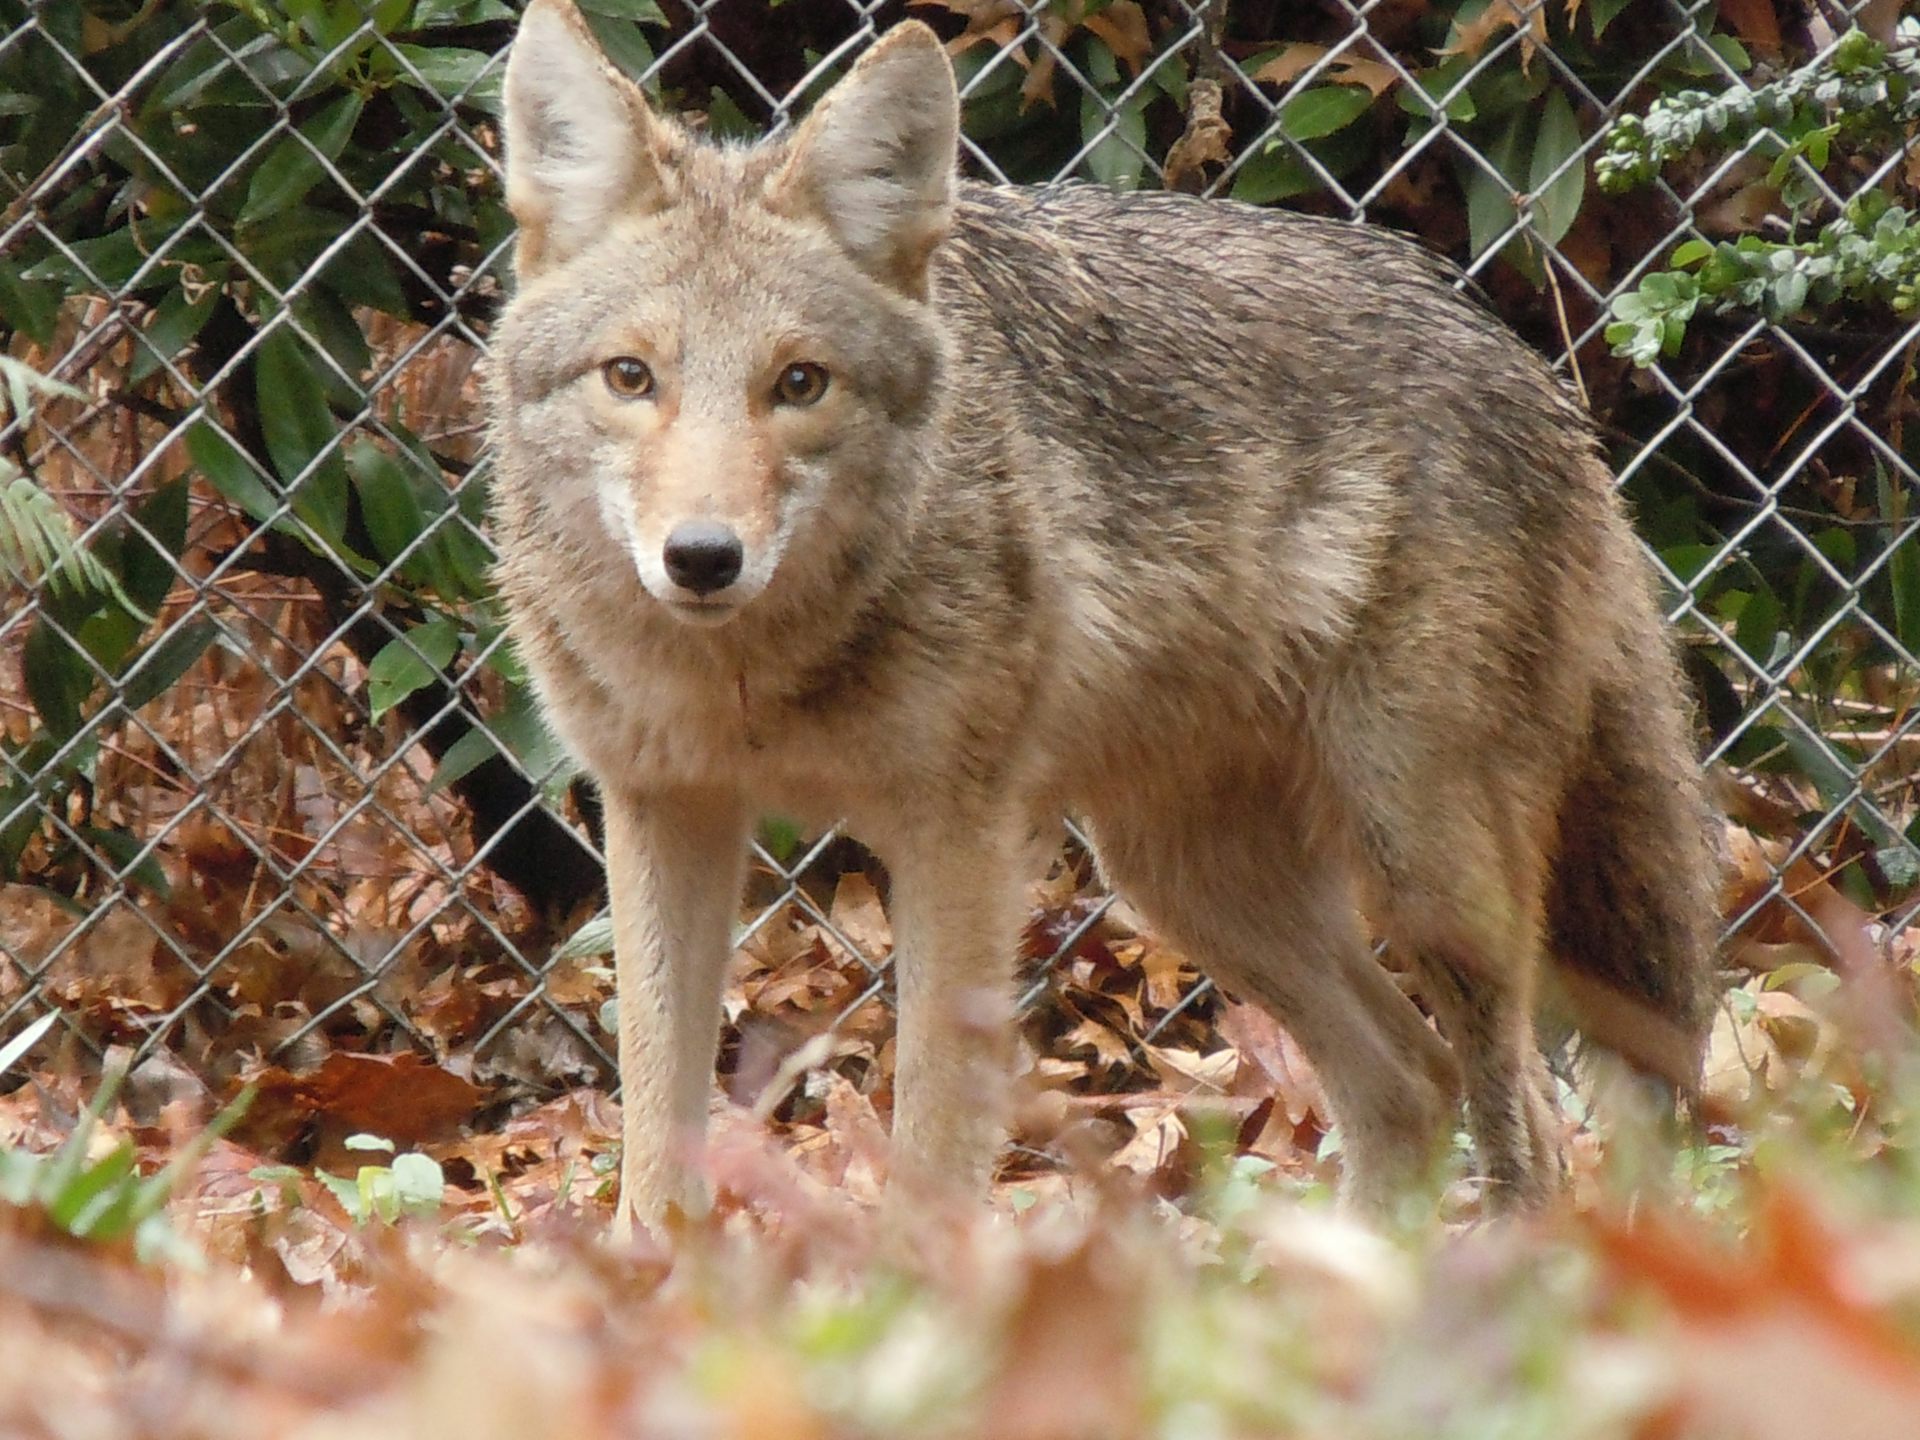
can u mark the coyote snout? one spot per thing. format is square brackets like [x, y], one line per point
[700, 512]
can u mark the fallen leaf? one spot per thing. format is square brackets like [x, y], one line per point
[1068, 1367]
[858, 914]
[401, 1098]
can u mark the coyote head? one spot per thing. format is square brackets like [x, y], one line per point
[709, 342]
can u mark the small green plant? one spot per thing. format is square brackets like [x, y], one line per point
[1862, 90]
[1861, 93]
[411, 1184]
[106, 1200]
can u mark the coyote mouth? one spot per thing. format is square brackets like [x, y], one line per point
[703, 612]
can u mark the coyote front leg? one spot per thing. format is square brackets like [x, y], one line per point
[956, 916]
[675, 867]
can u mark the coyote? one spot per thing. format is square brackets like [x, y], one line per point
[833, 486]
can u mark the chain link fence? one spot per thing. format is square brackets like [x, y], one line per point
[270, 784]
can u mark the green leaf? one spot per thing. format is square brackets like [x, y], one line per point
[65, 1207]
[400, 505]
[32, 307]
[520, 732]
[1490, 196]
[418, 1184]
[24, 384]
[1116, 159]
[40, 544]
[408, 662]
[59, 677]
[470, 76]
[1731, 51]
[1903, 561]
[286, 249]
[1318, 112]
[1422, 98]
[347, 358]
[591, 939]
[1829, 772]
[369, 1142]
[162, 663]
[123, 849]
[623, 44]
[106, 262]
[227, 468]
[292, 168]
[726, 120]
[148, 554]
[1555, 144]
[780, 837]
[15, 1050]
[436, 14]
[1273, 175]
[301, 433]
[1602, 13]
[71, 1158]
[174, 326]
[350, 1194]
[640, 12]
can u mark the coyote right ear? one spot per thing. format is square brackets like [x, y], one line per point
[582, 143]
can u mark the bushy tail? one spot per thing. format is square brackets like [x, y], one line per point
[1631, 912]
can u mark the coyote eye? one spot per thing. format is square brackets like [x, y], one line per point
[628, 378]
[800, 384]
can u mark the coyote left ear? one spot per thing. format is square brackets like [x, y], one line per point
[875, 159]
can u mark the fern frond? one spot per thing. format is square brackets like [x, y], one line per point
[40, 545]
[22, 383]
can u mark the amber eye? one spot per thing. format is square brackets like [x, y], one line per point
[800, 384]
[628, 377]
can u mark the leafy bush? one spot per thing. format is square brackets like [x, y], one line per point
[1862, 95]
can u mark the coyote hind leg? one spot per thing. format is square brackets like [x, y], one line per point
[1468, 913]
[1274, 921]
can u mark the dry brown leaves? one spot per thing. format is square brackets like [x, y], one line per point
[1792, 1335]
[1527, 17]
[1346, 68]
[1121, 25]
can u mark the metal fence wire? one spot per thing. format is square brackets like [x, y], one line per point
[270, 783]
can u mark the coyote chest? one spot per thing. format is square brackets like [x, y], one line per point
[648, 717]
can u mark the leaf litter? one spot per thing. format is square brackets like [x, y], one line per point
[1161, 1257]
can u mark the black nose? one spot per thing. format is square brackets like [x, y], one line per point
[702, 556]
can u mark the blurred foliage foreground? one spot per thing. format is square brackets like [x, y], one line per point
[1191, 1281]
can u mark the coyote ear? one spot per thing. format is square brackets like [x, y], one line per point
[875, 159]
[582, 143]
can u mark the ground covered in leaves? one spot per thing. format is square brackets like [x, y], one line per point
[382, 1244]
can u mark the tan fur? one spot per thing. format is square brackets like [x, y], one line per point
[1241, 535]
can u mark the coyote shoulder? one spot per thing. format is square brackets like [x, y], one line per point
[833, 486]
